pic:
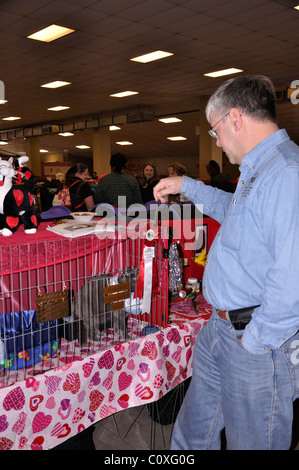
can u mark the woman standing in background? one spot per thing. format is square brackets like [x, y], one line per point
[80, 191]
[148, 181]
[177, 169]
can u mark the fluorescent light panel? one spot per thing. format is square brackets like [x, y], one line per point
[170, 120]
[56, 84]
[3, 143]
[122, 94]
[66, 134]
[176, 138]
[11, 118]
[151, 56]
[82, 147]
[51, 33]
[58, 108]
[296, 7]
[3, 101]
[114, 128]
[124, 142]
[221, 73]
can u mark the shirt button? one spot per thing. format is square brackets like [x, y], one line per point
[242, 182]
[266, 349]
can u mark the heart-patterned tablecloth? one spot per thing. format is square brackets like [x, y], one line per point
[42, 411]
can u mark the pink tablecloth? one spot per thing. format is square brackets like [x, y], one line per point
[44, 410]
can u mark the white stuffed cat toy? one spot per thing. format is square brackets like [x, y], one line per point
[16, 200]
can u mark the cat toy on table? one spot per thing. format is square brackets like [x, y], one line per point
[16, 199]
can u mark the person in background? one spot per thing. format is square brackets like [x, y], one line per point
[80, 192]
[118, 183]
[176, 169]
[148, 181]
[246, 369]
[218, 179]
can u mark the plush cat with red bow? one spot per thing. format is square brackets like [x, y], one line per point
[16, 200]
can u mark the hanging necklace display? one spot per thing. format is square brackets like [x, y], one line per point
[175, 280]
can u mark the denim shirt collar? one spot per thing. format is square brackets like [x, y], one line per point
[256, 156]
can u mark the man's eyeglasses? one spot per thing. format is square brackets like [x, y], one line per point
[214, 133]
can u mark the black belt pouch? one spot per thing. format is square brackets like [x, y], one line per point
[241, 316]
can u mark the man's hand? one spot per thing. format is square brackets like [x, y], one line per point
[166, 186]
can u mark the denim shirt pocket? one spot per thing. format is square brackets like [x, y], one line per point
[233, 226]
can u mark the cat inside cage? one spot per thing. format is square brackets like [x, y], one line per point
[105, 302]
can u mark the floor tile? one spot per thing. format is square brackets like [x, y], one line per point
[131, 429]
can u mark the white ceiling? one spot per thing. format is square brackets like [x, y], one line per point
[258, 36]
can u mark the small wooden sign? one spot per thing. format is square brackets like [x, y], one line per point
[116, 294]
[117, 288]
[52, 306]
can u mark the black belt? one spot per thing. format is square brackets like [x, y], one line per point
[239, 317]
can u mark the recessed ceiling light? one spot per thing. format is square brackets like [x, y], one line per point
[56, 84]
[151, 56]
[3, 143]
[82, 147]
[44, 151]
[124, 142]
[178, 137]
[51, 33]
[11, 118]
[124, 93]
[221, 73]
[114, 128]
[66, 134]
[58, 108]
[170, 120]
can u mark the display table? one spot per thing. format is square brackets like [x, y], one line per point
[45, 410]
[74, 388]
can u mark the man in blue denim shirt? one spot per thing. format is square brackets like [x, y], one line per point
[245, 380]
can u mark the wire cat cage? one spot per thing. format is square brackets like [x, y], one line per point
[62, 300]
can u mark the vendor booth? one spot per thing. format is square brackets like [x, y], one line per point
[80, 340]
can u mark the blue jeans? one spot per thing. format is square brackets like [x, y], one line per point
[249, 395]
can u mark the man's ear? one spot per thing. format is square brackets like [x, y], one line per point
[236, 118]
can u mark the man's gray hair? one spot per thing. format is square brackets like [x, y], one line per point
[254, 96]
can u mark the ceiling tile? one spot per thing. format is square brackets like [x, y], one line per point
[172, 15]
[259, 36]
[107, 25]
[22, 27]
[132, 30]
[54, 11]
[233, 7]
[23, 8]
[83, 19]
[114, 7]
[262, 9]
[145, 9]
[204, 5]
